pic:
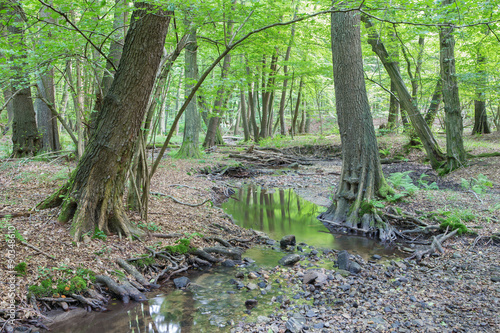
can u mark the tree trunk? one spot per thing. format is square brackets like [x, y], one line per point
[25, 138]
[423, 131]
[362, 178]
[437, 96]
[251, 106]
[94, 192]
[244, 119]
[192, 120]
[455, 151]
[392, 119]
[296, 110]
[267, 94]
[480, 116]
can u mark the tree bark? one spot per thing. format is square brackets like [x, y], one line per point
[251, 106]
[25, 138]
[93, 195]
[192, 120]
[480, 116]
[423, 131]
[437, 96]
[362, 178]
[244, 119]
[455, 151]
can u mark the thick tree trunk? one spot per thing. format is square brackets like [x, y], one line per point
[423, 131]
[94, 192]
[455, 151]
[192, 120]
[267, 100]
[362, 178]
[25, 138]
[296, 110]
[480, 116]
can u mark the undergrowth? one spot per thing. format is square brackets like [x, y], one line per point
[61, 281]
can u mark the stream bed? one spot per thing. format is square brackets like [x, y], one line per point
[214, 302]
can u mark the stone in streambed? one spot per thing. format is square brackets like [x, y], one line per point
[286, 241]
[250, 303]
[289, 260]
[181, 282]
[293, 326]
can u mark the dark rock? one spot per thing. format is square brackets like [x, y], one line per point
[300, 249]
[270, 242]
[313, 253]
[495, 278]
[343, 260]
[228, 263]
[354, 267]
[345, 287]
[311, 314]
[248, 260]
[250, 303]
[240, 275]
[239, 285]
[181, 282]
[261, 284]
[413, 298]
[289, 260]
[286, 241]
[376, 257]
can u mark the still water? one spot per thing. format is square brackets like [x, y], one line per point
[213, 304]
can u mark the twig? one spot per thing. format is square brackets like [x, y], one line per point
[38, 250]
[475, 194]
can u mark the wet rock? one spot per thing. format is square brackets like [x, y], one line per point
[286, 241]
[289, 260]
[228, 263]
[181, 282]
[250, 303]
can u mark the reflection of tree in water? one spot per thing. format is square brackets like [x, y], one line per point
[173, 313]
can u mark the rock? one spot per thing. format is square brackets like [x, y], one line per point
[456, 255]
[354, 267]
[240, 275]
[495, 278]
[261, 284]
[345, 287]
[343, 260]
[343, 272]
[293, 165]
[263, 319]
[181, 282]
[376, 257]
[248, 260]
[250, 303]
[252, 286]
[228, 263]
[293, 326]
[286, 241]
[311, 314]
[289, 260]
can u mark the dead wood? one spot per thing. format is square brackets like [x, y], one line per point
[56, 299]
[231, 252]
[435, 248]
[206, 256]
[134, 272]
[174, 235]
[177, 200]
[38, 250]
[11, 215]
[94, 303]
[114, 287]
[132, 291]
[219, 240]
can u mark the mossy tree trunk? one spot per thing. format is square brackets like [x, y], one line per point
[455, 152]
[421, 128]
[192, 120]
[480, 116]
[362, 178]
[93, 195]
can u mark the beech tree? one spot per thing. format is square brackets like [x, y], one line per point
[93, 195]
[361, 179]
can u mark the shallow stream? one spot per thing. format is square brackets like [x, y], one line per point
[213, 304]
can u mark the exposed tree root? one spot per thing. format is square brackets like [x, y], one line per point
[178, 201]
[38, 250]
[436, 247]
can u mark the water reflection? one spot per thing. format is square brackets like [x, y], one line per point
[280, 212]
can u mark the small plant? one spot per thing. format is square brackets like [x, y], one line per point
[99, 234]
[478, 185]
[183, 245]
[21, 268]
[151, 226]
[142, 263]
[455, 220]
[62, 280]
[384, 152]
[425, 184]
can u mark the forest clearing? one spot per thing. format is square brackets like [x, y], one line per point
[249, 166]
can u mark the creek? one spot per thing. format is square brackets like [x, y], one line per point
[212, 303]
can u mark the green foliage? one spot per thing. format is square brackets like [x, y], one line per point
[425, 184]
[61, 280]
[98, 234]
[151, 226]
[4, 224]
[455, 220]
[183, 244]
[141, 263]
[403, 182]
[478, 185]
[21, 268]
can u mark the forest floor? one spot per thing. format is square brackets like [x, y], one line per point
[458, 291]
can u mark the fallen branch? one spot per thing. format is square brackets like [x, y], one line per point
[114, 287]
[231, 252]
[56, 299]
[134, 272]
[38, 250]
[177, 200]
[94, 303]
[175, 235]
